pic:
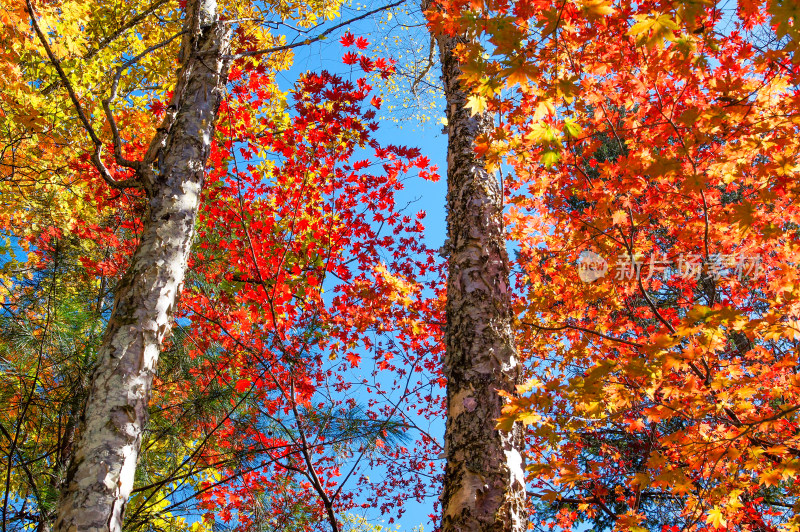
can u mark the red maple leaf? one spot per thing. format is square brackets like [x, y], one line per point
[366, 63]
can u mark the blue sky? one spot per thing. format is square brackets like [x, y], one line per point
[408, 131]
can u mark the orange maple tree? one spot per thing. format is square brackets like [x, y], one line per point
[649, 152]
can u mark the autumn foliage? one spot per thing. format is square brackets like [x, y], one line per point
[306, 337]
[649, 156]
[306, 263]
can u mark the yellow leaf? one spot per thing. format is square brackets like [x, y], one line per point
[715, 518]
[529, 418]
[772, 478]
[733, 500]
[505, 423]
[597, 8]
[641, 479]
[571, 128]
[662, 29]
[642, 26]
[544, 108]
[476, 104]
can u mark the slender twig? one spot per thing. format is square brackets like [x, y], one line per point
[380, 430]
[318, 37]
[584, 329]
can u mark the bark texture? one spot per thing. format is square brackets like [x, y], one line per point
[484, 488]
[101, 475]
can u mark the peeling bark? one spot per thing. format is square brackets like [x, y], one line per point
[484, 487]
[101, 475]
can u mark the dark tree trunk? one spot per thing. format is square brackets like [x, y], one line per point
[484, 487]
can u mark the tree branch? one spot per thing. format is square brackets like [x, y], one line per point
[312, 473]
[98, 145]
[319, 37]
[122, 161]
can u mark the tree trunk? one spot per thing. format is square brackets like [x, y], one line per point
[484, 487]
[101, 475]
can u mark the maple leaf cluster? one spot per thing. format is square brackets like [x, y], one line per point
[652, 149]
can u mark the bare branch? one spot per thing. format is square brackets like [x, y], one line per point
[318, 37]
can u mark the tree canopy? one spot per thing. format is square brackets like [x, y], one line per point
[220, 312]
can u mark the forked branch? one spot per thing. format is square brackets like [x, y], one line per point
[98, 144]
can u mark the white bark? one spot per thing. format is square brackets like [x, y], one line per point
[101, 476]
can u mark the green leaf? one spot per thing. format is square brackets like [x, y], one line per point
[550, 158]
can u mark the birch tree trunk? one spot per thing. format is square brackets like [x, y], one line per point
[484, 487]
[101, 475]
